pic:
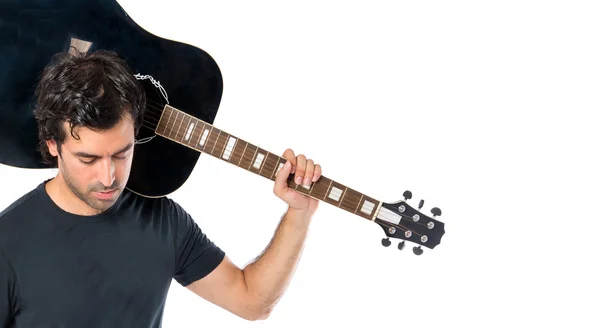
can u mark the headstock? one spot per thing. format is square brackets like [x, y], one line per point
[401, 221]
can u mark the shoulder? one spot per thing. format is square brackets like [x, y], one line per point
[19, 208]
[164, 213]
[164, 206]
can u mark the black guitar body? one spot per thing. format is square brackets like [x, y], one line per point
[31, 32]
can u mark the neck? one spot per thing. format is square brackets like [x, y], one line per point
[60, 193]
[204, 137]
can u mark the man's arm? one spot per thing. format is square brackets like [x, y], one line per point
[253, 292]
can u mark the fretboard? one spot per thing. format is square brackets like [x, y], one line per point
[201, 136]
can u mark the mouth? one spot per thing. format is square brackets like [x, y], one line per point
[105, 194]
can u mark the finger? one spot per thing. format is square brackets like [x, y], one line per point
[281, 178]
[308, 175]
[318, 172]
[290, 156]
[300, 168]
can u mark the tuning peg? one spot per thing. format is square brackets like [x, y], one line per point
[386, 242]
[401, 245]
[407, 195]
[436, 211]
[417, 250]
[421, 203]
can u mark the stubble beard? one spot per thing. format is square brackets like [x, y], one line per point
[88, 198]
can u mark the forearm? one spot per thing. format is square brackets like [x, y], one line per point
[268, 277]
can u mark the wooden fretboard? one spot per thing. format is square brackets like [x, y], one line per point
[194, 133]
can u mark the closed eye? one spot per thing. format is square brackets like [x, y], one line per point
[92, 161]
[94, 157]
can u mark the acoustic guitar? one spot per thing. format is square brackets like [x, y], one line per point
[184, 87]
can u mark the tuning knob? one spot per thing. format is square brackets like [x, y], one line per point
[407, 195]
[386, 242]
[436, 211]
[401, 245]
[421, 203]
[417, 250]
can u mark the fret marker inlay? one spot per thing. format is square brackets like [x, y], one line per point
[335, 193]
[189, 131]
[229, 147]
[204, 134]
[367, 207]
[258, 160]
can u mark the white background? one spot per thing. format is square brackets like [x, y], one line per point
[484, 109]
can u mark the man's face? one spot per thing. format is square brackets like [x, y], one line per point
[96, 167]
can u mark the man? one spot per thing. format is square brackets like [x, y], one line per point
[80, 250]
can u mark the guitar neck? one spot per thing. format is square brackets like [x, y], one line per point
[201, 136]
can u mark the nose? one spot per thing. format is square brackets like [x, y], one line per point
[107, 173]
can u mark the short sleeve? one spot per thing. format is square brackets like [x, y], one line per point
[8, 290]
[195, 254]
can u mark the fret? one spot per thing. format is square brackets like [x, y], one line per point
[328, 187]
[173, 125]
[238, 152]
[262, 165]
[343, 194]
[220, 144]
[243, 152]
[273, 174]
[202, 136]
[197, 134]
[292, 184]
[350, 200]
[214, 142]
[320, 188]
[312, 185]
[366, 207]
[268, 165]
[180, 134]
[176, 125]
[361, 197]
[258, 160]
[248, 157]
[334, 194]
[189, 132]
[210, 139]
[163, 124]
[229, 148]
[164, 119]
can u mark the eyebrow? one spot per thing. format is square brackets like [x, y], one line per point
[86, 155]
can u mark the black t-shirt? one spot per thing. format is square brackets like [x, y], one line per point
[114, 269]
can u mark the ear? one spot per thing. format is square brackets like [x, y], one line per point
[52, 147]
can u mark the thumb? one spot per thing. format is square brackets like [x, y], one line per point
[281, 178]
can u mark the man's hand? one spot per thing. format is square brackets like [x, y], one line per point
[305, 173]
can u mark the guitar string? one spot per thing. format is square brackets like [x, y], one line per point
[153, 109]
[385, 217]
[157, 117]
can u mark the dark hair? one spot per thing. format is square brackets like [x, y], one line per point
[95, 90]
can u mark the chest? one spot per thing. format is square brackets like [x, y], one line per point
[110, 269]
